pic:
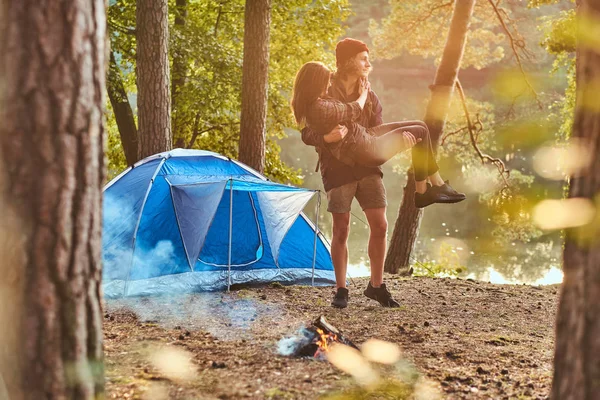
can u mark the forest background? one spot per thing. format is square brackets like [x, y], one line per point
[517, 78]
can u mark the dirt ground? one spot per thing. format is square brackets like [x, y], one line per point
[473, 340]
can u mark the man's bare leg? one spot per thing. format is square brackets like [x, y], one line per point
[339, 247]
[377, 243]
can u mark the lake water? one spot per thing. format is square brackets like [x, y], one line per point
[488, 271]
[532, 264]
[459, 232]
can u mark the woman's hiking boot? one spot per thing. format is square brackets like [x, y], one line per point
[382, 295]
[453, 195]
[444, 194]
[341, 298]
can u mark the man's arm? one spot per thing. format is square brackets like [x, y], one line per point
[377, 116]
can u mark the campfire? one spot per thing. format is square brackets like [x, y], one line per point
[314, 341]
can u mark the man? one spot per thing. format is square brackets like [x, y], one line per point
[343, 183]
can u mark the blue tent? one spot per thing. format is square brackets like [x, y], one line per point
[192, 220]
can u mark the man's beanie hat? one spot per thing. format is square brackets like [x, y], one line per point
[348, 48]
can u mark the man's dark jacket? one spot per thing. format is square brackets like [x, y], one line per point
[333, 172]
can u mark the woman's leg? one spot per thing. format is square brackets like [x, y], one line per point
[385, 128]
[377, 145]
[389, 140]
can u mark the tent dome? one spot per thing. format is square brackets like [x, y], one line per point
[193, 220]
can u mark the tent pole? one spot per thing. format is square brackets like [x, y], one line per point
[230, 231]
[137, 224]
[316, 235]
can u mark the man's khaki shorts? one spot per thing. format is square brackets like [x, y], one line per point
[369, 192]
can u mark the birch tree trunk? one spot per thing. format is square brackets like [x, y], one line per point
[51, 149]
[577, 353]
[257, 21]
[407, 224]
[154, 100]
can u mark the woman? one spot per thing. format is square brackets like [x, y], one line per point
[369, 147]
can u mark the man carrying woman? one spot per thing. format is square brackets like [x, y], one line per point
[343, 120]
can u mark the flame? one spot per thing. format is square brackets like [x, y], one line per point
[323, 341]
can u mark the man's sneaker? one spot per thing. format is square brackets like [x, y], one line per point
[453, 195]
[382, 295]
[341, 298]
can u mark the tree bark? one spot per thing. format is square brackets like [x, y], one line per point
[407, 224]
[257, 21]
[180, 60]
[123, 113]
[51, 147]
[404, 235]
[577, 353]
[154, 100]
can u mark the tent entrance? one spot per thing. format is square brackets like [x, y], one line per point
[213, 220]
[233, 223]
[247, 245]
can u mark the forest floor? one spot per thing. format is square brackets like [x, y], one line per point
[469, 339]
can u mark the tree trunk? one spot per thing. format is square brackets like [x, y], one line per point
[406, 229]
[257, 21]
[123, 113]
[577, 353]
[180, 60]
[51, 146]
[154, 100]
[404, 236]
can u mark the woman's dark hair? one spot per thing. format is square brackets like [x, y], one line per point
[310, 83]
[347, 68]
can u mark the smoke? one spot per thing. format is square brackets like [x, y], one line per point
[227, 316]
[289, 345]
[223, 315]
[120, 260]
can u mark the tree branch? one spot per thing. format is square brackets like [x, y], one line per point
[218, 19]
[477, 127]
[516, 45]
[120, 28]
[198, 132]
[428, 15]
[446, 136]
[502, 170]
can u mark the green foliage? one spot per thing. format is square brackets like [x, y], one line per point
[560, 40]
[511, 210]
[211, 41]
[507, 200]
[114, 148]
[560, 32]
[398, 381]
[390, 389]
[537, 3]
[420, 28]
[565, 107]
[456, 143]
[279, 394]
[448, 263]
[501, 129]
